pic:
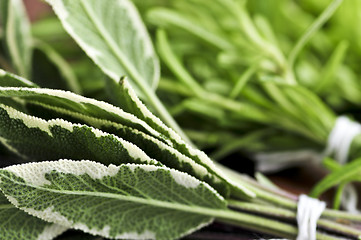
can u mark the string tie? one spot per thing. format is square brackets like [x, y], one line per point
[340, 138]
[309, 211]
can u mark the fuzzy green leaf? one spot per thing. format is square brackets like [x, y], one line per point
[112, 119]
[127, 99]
[16, 224]
[113, 35]
[38, 139]
[63, 100]
[122, 202]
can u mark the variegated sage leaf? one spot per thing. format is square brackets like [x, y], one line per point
[11, 80]
[122, 202]
[153, 147]
[16, 224]
[112, 119]
[16, 29]
[38, 139]
[113, 35]
[108, 118]
[64, 100]
[126, 98]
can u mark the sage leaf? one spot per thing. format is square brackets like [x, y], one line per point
[128, 100]
[106, 116]
[11, 80]
[69, 101]
[17, 36]
[16, 224]
[152, 146]
[38, 139]
[121, 202]
[113, 35]
[58, 105]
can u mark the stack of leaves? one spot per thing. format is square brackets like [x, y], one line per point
[117, 171]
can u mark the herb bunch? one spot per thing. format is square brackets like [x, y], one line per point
[267, 89]
[115, 171]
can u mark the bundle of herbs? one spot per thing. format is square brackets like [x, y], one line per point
[117, 171]
[260, 86]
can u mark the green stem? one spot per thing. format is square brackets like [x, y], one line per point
[264, 225]
[325, 15]
[242, 81]
[259, 224]
[263, 194]
[288, 214]
[168, 56]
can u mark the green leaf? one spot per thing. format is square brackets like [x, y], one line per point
[69, 101]
[153, 147]
[122, 202]
[347, 173]
[16, 224]
[38, 139]
[34, 133]
[127, 99]
[17, 35]
[105, 116]
[114, 37]
[11, 80]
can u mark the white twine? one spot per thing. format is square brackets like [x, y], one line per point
[276, 161]
[338, 144]
[309, 211]
[340, 138]
[349, 199]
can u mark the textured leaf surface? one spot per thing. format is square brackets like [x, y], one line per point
[38, 139]
[123, 202]
[114, 120]
[107, 118]
[113, 35]
[17, 35]
[16, 224]
[126, 98]
[69, 101]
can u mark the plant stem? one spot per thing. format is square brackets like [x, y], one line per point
[288, 214]
[261, 224]
[316, 25]
[168, 56]
[262, 193]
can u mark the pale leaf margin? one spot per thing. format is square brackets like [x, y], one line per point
[111, 53]
[34, 178]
